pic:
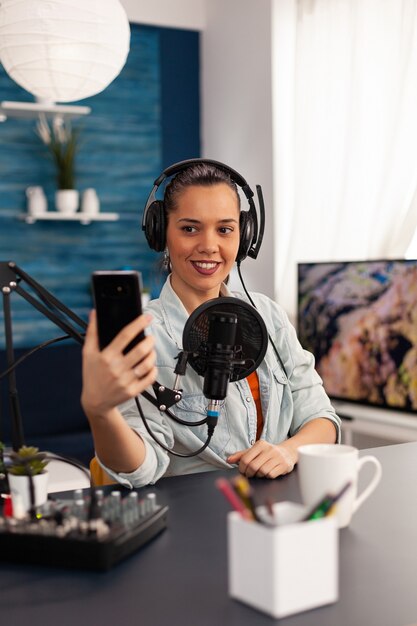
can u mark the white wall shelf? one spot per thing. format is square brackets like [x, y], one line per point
[83, 218]
[31, 110]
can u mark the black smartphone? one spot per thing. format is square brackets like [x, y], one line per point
[117, 300]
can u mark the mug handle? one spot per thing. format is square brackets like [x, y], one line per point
[374, 482]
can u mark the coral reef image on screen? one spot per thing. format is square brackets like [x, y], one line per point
[359, 319]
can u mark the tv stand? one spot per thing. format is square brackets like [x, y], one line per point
[373, 421]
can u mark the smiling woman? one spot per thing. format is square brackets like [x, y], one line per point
[263, 420]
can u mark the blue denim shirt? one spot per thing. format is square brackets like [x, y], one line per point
[287, 403]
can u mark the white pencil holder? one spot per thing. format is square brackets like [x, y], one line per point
[287, 568]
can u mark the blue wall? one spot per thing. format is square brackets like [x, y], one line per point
[145, 120]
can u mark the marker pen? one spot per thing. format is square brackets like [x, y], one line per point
[225, 487]
[243, 489]
[325, 505]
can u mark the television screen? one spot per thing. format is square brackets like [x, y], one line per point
[359, 319]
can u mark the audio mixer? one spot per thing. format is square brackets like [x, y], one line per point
[81, 533]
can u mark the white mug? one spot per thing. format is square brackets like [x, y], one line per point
[326, 468]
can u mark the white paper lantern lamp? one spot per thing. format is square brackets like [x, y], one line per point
[63, 50]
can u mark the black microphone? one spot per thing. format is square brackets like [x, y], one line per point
[221, 350]
[225, 340]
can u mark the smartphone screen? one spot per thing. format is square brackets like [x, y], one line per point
[117, 300]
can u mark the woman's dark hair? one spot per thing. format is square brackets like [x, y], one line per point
[200, 174]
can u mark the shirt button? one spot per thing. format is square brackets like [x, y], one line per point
[248, 399]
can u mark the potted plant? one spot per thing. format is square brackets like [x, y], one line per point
[26, 470]
[62, 143]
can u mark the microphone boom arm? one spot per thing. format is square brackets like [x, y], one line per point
[164, 396]
[50, 307]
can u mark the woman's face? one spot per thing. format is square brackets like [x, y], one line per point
[203, 240]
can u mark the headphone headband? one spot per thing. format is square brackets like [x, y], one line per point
[183, 165]
[154, 218]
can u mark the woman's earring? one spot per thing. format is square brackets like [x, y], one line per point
[166, 262]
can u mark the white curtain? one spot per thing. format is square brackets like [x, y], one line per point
[345, 132]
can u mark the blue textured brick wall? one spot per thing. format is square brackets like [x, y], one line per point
[131, 134]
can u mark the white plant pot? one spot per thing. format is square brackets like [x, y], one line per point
[67, 200]
[20, 491]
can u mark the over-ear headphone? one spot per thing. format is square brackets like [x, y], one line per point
[154, 218]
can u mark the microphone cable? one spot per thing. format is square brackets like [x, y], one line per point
[170, 414]
[254, 306]
[20, 360]
[211, 425]
[181, 421]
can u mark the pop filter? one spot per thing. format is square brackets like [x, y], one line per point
[251, 336]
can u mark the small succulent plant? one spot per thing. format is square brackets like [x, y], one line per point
[27, 461]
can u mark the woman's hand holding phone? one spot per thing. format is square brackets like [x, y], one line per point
[111, 375]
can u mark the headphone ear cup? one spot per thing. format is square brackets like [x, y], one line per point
[246, 227]
[155, 223]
